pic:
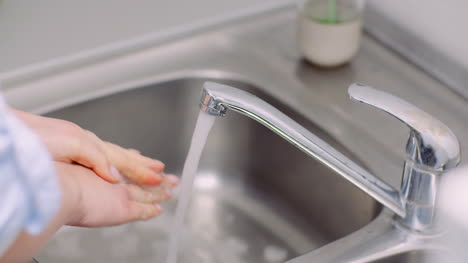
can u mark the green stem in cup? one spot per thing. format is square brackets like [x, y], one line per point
[332, 12]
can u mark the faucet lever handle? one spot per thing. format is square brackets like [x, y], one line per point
[431, 142]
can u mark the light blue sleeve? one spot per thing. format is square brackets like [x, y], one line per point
[29, 188]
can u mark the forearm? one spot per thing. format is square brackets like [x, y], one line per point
[27, 245]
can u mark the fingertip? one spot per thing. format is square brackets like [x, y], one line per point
[159, 208]
[142, 211]
[134, 150]
[157, 166]
[172, 180]
[151, 211]
[152, 180]
[167, 194]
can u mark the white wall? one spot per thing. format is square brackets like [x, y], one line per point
[443, 23]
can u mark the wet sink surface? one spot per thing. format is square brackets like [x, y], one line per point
[256, 199]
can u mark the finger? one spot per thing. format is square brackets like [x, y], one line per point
[171, 180]
[88, 153]
[121, 179]
[156, 194]
[163, 193]
[140, 211]
[141, 174]
[155, 165]
[137, 167]
[134, 150]
[132, 165]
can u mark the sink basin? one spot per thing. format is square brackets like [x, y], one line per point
[257, 198]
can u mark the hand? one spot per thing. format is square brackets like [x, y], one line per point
[89, 201]
[69, 143]
[93, 202]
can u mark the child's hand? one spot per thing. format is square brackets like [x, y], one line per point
[69, 143]
[93, 202]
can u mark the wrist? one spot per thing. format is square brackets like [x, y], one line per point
[70, 206]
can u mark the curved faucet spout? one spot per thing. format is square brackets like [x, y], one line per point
[217, 99]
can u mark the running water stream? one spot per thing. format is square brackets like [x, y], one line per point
[202, 129]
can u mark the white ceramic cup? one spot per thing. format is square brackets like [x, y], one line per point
[328, 44]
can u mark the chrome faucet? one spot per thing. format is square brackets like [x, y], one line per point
[409, 222]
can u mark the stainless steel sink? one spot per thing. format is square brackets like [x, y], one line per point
[410, 257]
[257, 198]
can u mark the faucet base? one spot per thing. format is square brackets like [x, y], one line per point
[382, 238]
